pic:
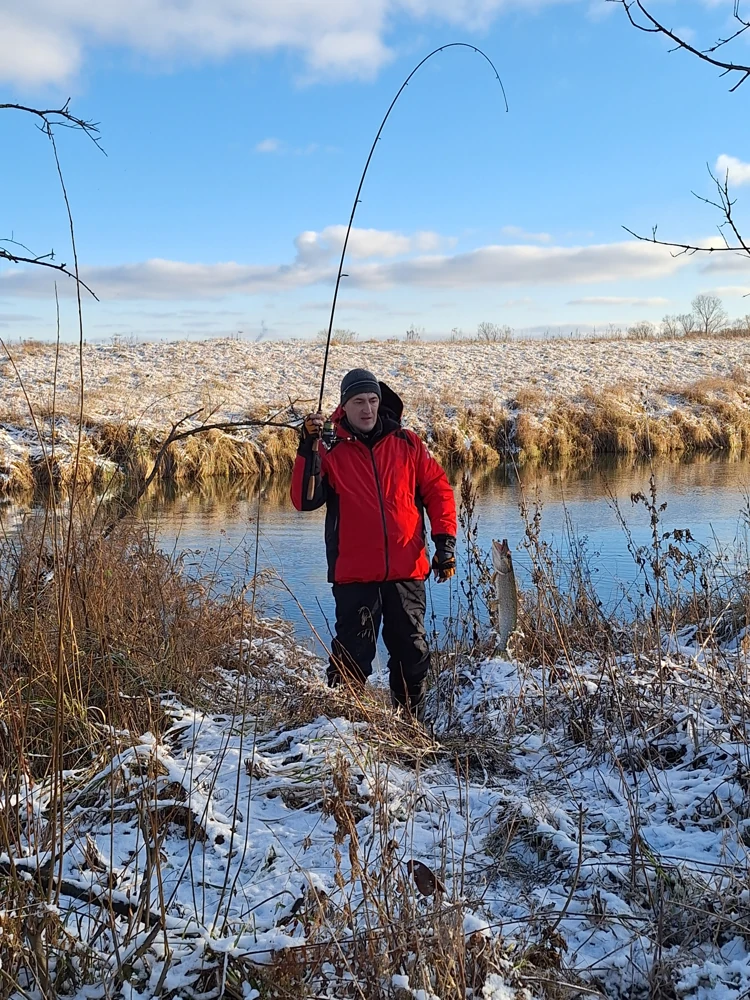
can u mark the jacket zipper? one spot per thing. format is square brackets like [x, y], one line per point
[382, 508]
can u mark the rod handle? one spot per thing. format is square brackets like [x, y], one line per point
[312, 481]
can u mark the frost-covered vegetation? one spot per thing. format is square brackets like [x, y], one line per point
[187, 811]
[474, 403]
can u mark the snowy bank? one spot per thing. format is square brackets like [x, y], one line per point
[585, 827]
[473, 403]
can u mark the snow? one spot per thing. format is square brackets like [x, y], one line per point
[612, 854]
[496, 988]
[154, 383]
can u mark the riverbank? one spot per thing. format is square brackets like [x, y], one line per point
[475, 404]
[189, 811]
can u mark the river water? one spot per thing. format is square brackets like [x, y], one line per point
[215, 529]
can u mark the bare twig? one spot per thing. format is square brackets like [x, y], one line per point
[724, 204]
[50, 119]
[651, 25]
[42, 261]
[175, 434]
[53, 117]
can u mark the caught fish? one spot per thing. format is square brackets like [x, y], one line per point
[506, 593]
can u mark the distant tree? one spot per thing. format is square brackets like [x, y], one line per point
[414, 334]
[687, 323]
[710, 314]
[670, 326]
[741, 325]
[491, 333]
[457, 334]
[642, 330]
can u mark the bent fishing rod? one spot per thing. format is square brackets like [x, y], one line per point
[340, 274]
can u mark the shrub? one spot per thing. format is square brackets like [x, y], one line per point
[338, 336]
[642, 330]
[492, 333]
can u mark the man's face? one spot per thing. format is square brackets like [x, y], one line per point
[362, 411]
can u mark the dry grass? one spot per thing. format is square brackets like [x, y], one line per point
[89, 645]
[132, 626]
[529, 398]
[711, 414]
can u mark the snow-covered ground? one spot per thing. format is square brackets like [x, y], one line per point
[465, 399]
[586, 825]
[155, 383]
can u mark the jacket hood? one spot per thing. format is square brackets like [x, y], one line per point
[391, 402]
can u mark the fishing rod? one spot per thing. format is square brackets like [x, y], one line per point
[340, 274]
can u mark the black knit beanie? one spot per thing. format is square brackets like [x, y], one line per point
[356, 381]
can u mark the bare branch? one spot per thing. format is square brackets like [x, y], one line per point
[724, 204]
[653, 26]
[682, 248]
[744, 25]
[175, 434]
[60, 117]
[42, 261]
[51, 118]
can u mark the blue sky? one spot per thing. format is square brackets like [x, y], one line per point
[235, 133]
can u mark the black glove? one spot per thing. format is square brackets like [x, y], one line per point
[309, 432]
[312, 425]
[444, 560]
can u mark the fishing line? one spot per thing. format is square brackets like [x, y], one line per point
[340, 274]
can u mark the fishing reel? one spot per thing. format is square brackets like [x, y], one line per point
[328, 434]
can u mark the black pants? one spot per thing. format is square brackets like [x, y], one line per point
[400, 605]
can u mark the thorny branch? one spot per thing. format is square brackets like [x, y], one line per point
[43, 260]
[62, 117]
[650, 24]
[732, 239]
[50, 118]
[724, 204]
[175, 434]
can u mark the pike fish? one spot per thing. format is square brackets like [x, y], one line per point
[506, 594]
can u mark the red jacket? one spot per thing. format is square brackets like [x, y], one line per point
[375, 494]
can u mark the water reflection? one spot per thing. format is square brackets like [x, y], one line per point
[215, 525]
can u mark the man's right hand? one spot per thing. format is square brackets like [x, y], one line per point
[313, 424]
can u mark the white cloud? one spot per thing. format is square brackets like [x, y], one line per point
[274, 145]
[269, 145]
[524, 265]
[35, 52]
[45, 41]
[733, 291]
[739, 172]
[315, 247]
[314, 264]
[617, 300]
[166, 280]
[516, 232]
[728, 261]
[689, 34]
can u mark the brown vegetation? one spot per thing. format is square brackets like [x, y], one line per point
[92, 636]
[712, 414]
[132, 625]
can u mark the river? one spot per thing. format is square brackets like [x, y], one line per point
[215, 529]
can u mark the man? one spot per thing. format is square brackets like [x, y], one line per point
[376, 479]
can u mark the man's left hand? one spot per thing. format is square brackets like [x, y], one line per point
[444, 560]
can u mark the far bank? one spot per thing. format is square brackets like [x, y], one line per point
[551, 402]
